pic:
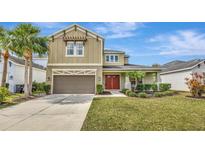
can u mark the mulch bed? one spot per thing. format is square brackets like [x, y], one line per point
[106, 93]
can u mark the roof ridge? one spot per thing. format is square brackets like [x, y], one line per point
[72, 25]
[183, 66]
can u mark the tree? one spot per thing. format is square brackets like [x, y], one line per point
[40, 47]
[24, 38]
[135, 76]
[6, 44]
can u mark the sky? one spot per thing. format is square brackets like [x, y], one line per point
[145, 43]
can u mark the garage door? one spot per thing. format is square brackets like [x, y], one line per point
[77, 84]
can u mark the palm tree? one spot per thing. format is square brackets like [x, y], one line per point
[39, 47]
[6, 45]
[24, 36]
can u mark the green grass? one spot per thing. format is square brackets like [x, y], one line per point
[167, 113]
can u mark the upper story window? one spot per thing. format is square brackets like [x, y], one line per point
[75, 49]
[112, 58]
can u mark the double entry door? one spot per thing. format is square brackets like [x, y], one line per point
[112, 81]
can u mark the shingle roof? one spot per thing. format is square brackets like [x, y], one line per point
[22, 62]
[130, 67]
[178, 65]
[175, 62]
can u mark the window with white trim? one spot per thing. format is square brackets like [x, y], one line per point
[70, 48]
[75, 49]
[112, 58]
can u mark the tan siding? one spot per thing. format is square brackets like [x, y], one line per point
[121, 59]
[92, 52]
[149, 78]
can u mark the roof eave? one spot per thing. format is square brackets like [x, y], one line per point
[70, 26]
[180, 70]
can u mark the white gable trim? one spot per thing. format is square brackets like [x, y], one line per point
[82, 29]
[74, 71]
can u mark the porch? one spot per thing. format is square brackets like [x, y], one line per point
[119, 80]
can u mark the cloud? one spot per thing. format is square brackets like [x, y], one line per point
[115, 30]
[49, 25]
[186, 42]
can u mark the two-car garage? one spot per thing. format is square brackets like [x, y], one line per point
[74, 81]
[75, 84]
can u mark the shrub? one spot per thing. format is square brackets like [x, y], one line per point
[164, 86]
[147, 87]
[158, 94]
[124, 90]
[142, 95]
[3, 93]
[36, 86]
[168, 93]
[127, 92]
[100, 89]
[154, 87]
[164, 93]
[140, 87]
[195, 84]
[132, 94]
[47, 88]
[41, 87]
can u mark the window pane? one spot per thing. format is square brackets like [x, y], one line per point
[116, 58]
[79, 48]
[111, 58]
[107, 58]
[70, 48]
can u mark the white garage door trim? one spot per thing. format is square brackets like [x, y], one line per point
[73, 72]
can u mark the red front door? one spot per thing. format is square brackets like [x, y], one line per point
[112, 81]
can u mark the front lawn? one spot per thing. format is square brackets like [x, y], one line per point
[167, 113]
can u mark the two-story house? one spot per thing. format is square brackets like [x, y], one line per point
[77, 62]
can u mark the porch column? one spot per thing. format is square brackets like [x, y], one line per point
[158, 80]
[127, 83]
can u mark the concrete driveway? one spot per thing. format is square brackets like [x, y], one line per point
[54, 112]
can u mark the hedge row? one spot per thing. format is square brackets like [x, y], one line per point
[42, 87]
[145, 95]
[154, 87]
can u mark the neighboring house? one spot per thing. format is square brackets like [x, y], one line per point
[15, 74]
[41, 61]
[175, 72]
[77, 62]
